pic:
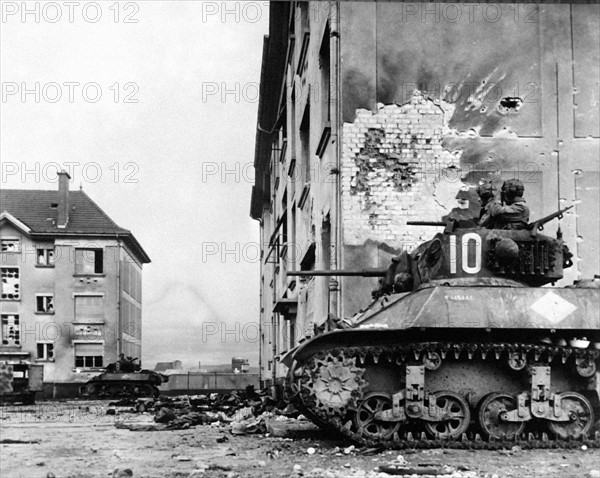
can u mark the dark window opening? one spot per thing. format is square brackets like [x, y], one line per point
[44, 304]
[45, 351]
[324, 63]
[94, 361]
[305, 143]
[89, 261]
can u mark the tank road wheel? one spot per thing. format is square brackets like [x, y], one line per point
[365, 421]
[489, 416]
[456, 416]
[91, 389]
[581, 416]
[336, 381]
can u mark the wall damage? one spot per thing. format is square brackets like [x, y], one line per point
[396, 168]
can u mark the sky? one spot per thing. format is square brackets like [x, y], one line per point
[151, 106]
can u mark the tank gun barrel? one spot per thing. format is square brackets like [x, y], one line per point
[426, 223]
[359, 273]
[539, 224]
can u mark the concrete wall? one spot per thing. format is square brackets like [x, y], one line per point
[209, 382]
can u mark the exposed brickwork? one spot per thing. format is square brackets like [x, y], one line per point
[394, 169]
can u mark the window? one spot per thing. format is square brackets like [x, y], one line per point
[10, 283]
[324, 59]
[89, 308]
[44, 303]
[9, 245]
[45, 256]
[89, 355]
[45, 351]
[11, 329]
[304, 143]
[89, 261]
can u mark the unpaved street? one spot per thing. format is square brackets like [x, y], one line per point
[78, 439]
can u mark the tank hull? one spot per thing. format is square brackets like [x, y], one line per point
[120, 384]
[499, 360]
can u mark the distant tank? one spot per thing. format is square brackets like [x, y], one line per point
[461, 342]
[125, 378]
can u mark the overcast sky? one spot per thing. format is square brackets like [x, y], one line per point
[154, 103]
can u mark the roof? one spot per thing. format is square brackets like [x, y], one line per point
[38, 210]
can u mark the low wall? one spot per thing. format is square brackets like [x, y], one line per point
[199, 383]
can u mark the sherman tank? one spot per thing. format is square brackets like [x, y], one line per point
[461, 343]
[124, 378]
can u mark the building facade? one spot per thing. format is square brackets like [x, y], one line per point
[372, 114]
[71, 284]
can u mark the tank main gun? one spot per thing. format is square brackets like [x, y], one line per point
[426, 223]
[337, 272]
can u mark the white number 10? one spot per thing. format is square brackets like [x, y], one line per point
[467, 240]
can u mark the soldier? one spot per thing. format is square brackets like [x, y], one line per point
[486, 192]
[467, 209]
[509, 211]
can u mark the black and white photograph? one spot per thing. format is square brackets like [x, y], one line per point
[321, 239]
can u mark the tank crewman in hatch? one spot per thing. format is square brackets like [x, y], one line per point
[486, 192]
[509, 211]
[468, 206]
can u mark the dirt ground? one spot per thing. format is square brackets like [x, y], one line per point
[78, 439]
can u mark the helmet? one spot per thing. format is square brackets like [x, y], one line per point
[486, 190]
[513, 188]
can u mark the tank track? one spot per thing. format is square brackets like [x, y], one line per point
[302, 380]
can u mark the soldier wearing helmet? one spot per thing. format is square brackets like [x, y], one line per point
[486, 191]
[508, 211]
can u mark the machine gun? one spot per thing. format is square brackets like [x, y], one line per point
[539, 224]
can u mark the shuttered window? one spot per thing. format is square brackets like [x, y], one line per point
[89, 308]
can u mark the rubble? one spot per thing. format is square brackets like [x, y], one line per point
[247, 412]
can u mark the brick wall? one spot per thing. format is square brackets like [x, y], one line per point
[395, 169]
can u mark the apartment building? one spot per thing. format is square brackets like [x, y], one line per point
[71, 295]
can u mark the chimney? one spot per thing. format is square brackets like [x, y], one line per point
[63, 199]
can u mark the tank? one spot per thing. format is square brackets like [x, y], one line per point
[466, 339]
[124, 378]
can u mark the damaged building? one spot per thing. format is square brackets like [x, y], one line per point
[71, 285]
[373, 114]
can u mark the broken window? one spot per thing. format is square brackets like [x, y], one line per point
[44, 303]
[10, 245]
[45, 351]
[11, 329]
[89, 308]
[89, 261]
[45, 256]
[11, 287]
[89, 355]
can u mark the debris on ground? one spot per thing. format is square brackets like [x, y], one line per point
[8, 441]
[247, 412]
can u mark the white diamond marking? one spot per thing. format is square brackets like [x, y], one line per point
[553, 307]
